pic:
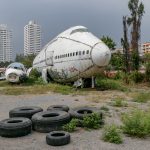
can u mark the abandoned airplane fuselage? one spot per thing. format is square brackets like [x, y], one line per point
[73, 54]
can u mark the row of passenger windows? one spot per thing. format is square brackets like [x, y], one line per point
[72, 54]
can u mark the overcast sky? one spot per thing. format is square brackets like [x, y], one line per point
[101, 17]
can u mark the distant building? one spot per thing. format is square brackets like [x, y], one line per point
[146, 47]
[32, 38]
[5, 43]
[117, 50]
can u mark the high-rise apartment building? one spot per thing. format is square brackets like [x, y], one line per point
[5, 43]
[32, 38]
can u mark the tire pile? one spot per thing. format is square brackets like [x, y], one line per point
[23, 120]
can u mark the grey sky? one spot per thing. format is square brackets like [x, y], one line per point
[102, 17]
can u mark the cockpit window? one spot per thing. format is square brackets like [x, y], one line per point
[17, 66]
[79, 30]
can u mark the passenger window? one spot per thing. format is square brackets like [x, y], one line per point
[55, 57]
[58, 57]
[70, 54]
[87, 52]
[83, 52]
[76, 53]
[79, 52]
[73, 53]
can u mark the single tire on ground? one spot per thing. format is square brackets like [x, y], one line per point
[58, 138]
[58, 107]
[26, 111]
[15, 127]
[50, 120]
[81, 112]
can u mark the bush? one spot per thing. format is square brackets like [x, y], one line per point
[92, 121]
[71, 126]
[137, 77]
[34, 74]
[136, 123]
[112, 134]
[109, 84]
[119, 75]
[119, 102]
[142, 97]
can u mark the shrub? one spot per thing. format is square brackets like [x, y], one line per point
[137, 76]
[119, 102]
[92, 121]
[112, 134]
[71, 126]
[136, 123]
[119, 75]
[142, 97]
[109, 84]
[34, 74]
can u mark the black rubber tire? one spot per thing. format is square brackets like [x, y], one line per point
[50, 120]
[58, 138]
[15, 127]
[26, 111]
[58, 107]
[81, 112]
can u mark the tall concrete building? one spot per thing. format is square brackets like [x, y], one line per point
[32, 38]
[5, 43]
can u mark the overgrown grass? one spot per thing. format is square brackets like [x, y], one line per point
[112, 134]
[110, 84]
[36, 89]
[119, 102]
[142, 97]
[136, 123]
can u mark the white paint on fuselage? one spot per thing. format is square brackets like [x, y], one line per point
[74, 54]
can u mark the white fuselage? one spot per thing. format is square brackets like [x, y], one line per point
[74, 54]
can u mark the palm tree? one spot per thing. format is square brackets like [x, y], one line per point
[137, 11]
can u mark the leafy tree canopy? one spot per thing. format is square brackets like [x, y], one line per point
[109, 42]
[26, 60]
[4, 64]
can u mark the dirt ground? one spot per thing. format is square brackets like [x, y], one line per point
[81, 139]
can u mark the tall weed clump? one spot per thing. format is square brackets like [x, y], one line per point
[136, 123]
[112, 134]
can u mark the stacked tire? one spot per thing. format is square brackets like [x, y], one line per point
[50, 120]
[15, 127]
[82, 112]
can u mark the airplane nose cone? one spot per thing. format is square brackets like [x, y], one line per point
[101, 55]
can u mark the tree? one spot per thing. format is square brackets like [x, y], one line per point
[5, 64]
[125, 44]
[137, 11]
[117, 61]
[26, 60]
[109, 42]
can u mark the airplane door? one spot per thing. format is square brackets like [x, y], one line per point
[49, 57]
